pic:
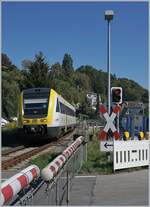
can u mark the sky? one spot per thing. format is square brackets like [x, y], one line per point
[79, 28]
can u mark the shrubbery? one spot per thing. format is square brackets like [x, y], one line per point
[97, 162]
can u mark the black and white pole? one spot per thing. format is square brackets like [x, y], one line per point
[108, 16]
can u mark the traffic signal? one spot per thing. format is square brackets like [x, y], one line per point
[116, 95]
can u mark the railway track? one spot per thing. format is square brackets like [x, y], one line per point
[20, 153]
[12, 150]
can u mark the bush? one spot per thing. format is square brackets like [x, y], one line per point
[11, 125]
[97, 161]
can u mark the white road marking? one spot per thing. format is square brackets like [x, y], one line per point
[86, 176]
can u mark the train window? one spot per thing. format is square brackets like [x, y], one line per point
[62, 107]
[35, 104]
[57, 106]
[66, 110]
[35, 107]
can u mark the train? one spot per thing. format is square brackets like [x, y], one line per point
[42, 111]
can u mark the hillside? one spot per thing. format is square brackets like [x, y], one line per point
[71, 83]
[132, 91]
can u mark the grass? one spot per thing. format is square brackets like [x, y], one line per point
[43, 160]
[97, 162]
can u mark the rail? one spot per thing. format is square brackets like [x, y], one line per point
[27, 154]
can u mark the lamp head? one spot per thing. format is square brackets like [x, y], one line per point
[109, 15]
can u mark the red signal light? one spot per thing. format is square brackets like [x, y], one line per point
[117, 91]
[116, 95]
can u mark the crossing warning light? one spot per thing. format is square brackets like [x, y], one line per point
[126, 135]
[116, 95]
[141, 135]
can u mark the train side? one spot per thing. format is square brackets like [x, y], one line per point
[43, 111]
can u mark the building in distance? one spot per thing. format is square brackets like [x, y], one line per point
[92, 99]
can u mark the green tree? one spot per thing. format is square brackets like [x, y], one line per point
[67, 66]
[26, 63]
[37, 74]
[10, 87]
[82, 81]
[144, 97]
[56, 71]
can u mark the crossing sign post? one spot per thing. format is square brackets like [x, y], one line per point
[109, 124]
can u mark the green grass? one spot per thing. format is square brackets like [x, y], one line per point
[43, 160]
[97, 162]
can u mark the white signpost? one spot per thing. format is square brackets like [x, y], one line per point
[106, 146]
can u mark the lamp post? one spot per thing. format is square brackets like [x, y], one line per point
[108, 16]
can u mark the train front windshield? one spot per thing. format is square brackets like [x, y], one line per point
[36, 105]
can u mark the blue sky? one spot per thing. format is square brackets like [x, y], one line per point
[79, 28]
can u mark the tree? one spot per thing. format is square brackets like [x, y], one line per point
[37, 73]
[10, 94]
[6, 61]
[26, 64]
[144, 97]
[56, 71]
[10, 87]
[82, 81]
[7, 64]
[67, 66]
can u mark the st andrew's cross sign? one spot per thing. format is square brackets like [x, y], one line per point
[109, 124]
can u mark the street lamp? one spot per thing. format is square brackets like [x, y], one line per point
[108, 16]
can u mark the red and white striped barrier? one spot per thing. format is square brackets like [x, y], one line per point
[52, 169]
[11, 187]
[69, 151]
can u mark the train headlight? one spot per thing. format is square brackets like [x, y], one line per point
[43, 120]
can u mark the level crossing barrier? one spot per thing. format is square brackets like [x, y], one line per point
[53, 186]
[11, 187]
[58, 181]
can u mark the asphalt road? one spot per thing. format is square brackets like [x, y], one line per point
[126, 188]
[118, 189]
